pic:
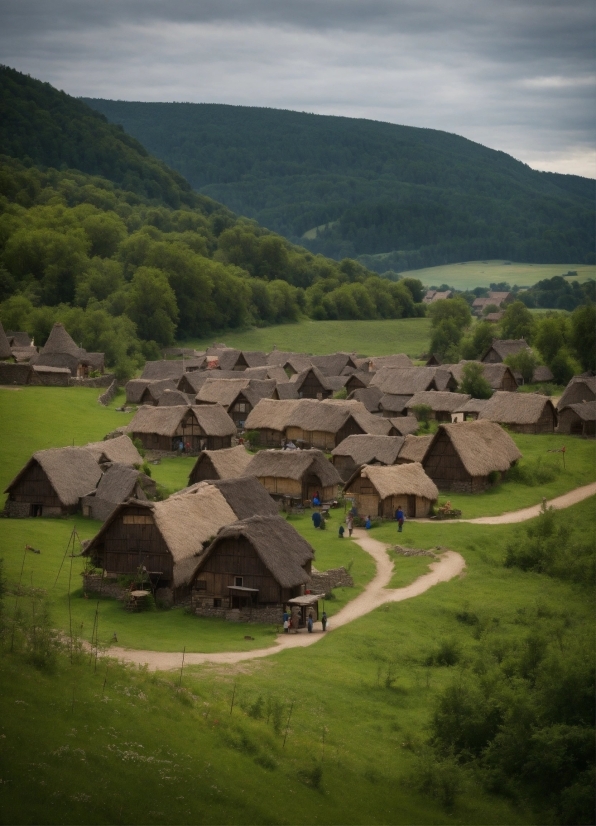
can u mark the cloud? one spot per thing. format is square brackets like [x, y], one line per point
[517, 75]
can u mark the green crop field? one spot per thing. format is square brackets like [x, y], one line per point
[470, 274]
[367, 338]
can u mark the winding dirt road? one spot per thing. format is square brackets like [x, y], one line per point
[450, 564]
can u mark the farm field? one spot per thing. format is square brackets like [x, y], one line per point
[219, 745]
[470, 274]
[367, 338]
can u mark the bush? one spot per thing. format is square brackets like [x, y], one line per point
[533, 473]
[447, 654]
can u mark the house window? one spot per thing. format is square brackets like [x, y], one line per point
[238, 581]
[201, 585]
[241, 407]
[217, 603]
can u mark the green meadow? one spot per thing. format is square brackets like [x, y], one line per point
[335, 733]
[470, 274]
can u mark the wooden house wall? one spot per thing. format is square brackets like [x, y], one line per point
[132, 540]
[312, 388]
[280, 486]
[349, 428]
[444, 466]
[203, 471]
[492, 357]
[413, 506]
[235, 557]
[270, 438]
[570, 422]
[35, 488]
[239, 411]
[321, 439]
[508, 382]
[367, 498]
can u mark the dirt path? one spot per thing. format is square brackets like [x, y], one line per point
[376, 593]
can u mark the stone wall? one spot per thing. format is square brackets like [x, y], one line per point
[98, 381]
[106, 398]
[16, 510]
[107, 586]
[321, 582]
[270, 614]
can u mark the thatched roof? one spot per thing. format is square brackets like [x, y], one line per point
[246, 496]
[393, 404]
[405, 381]
[414, 448]
[272, 414]
[515, 408]
[397, 480]
[72, 472]
[482, 446]
[286, 390]
[227, 463]
[171, 398]
[375, 363]
[438, 401]
[585, 410]
[333, 364]
[64, 360]
[59, 341]
[493, 372]
[299, 379]
[471, 406]
[19, 339]
[120, 450]
[580, 388]
[368, 396]
[293, 464]
[279, 546]
[5, 351]
[23, 354]
[118, 483]
[278, 374]
[280, 358]
[226, 391]
[507, 347]
[229, 358]
[164, 369]
[212, 418]
[364, 449]
[404, 425]
[542, 373]
[311, 415]
[362, 377]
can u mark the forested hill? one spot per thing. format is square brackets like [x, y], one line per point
[431, 196]
[45, 127]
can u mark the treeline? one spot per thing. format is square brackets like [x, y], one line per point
[558, 293]
[127, 276]
[422, 196]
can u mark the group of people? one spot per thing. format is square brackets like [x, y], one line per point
[399, 518]
[292, 621]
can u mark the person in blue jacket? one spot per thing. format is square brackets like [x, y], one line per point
[316, 519]
[399, 516]
[368, 523]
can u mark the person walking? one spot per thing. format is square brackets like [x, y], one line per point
[309, 623]
[316, 519]
[324, 621]
[399, 515]
[350, 523]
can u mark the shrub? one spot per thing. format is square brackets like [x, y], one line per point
[447, 654]
[533, 473]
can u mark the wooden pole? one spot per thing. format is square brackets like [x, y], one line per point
[233, 695]
[288, 724]
[182, 666]
[70, 609]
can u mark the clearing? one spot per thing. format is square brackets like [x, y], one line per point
[470, 274]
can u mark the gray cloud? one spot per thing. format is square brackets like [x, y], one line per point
[517, 75]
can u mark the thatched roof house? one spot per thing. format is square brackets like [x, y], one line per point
[229, 358]
[220, 464]
[260, 561]
[173, 398]
[392, 406]
[414, 449]
[61, 351]
[164, 428]
[403, 425]
[469, 456]
[374, 363]
[578, 419]
[118, 484]
[498, 375]
[246, 496]
[365, 450]
[469, 410]
[52, 482]
[119, 449]
[442, 405]
[358, 380]
[163, 369]
[579, 389]
[334, 364]
[236, 396]
[312, 384]
[370, 397]
[295, 473]
[381, 490]
[521, 412]
[147, 391]
[500, 349]
[405, 381]
[285, 390]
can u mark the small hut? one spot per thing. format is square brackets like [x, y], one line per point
[368, 396]
[312, 384]
[163, 369]
[521, 412]
[579, 389]
[468, 457]
[147, 391]
[365, 450]
[500, 349]
[173, 398]
[255, 565]
[61, 351]
[166, 428]
[403, 425]
[52, 483]
[298, 474]
[220, 464]
[119, 450]
[441, 404]
[498, 375]
[380, 490]
[236, 396]
[469, 410]
[335, 364]
[118, 484]
[405, 381]
[578, 419]
[359, 380]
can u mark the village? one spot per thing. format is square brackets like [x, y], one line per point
[361, 438]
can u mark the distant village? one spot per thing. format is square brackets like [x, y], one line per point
[271, 434]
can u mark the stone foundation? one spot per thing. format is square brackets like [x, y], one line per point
[107, 586]
[106, 398]
[270, 614]
[321, 582]
[16, 510]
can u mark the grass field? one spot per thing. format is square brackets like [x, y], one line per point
[470, 274]
[367, 338]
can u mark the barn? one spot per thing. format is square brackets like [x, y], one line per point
[220, 464]
[52, 483]
[165, 428]
[578, 419]
[295, 473]
[256, 564]
[365, 450]
[467, 457]
[380, 490]
[521, 412]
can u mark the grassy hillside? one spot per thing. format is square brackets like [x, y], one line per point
[379, 187]
[470, 274]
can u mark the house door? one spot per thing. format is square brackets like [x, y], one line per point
[411, 506]
[36, 510]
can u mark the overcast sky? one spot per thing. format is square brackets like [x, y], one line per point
[515, 75]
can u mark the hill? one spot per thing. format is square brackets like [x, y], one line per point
[348, 187]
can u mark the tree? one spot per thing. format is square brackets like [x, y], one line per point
[445, 340]
[415, 286]
[452, 309]
[481, 339]
[423, 412]
[524, 362]
[550, 336]
[474, 383]
[583, 335]
[517, 322]
[563, 367]
[151, 304]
